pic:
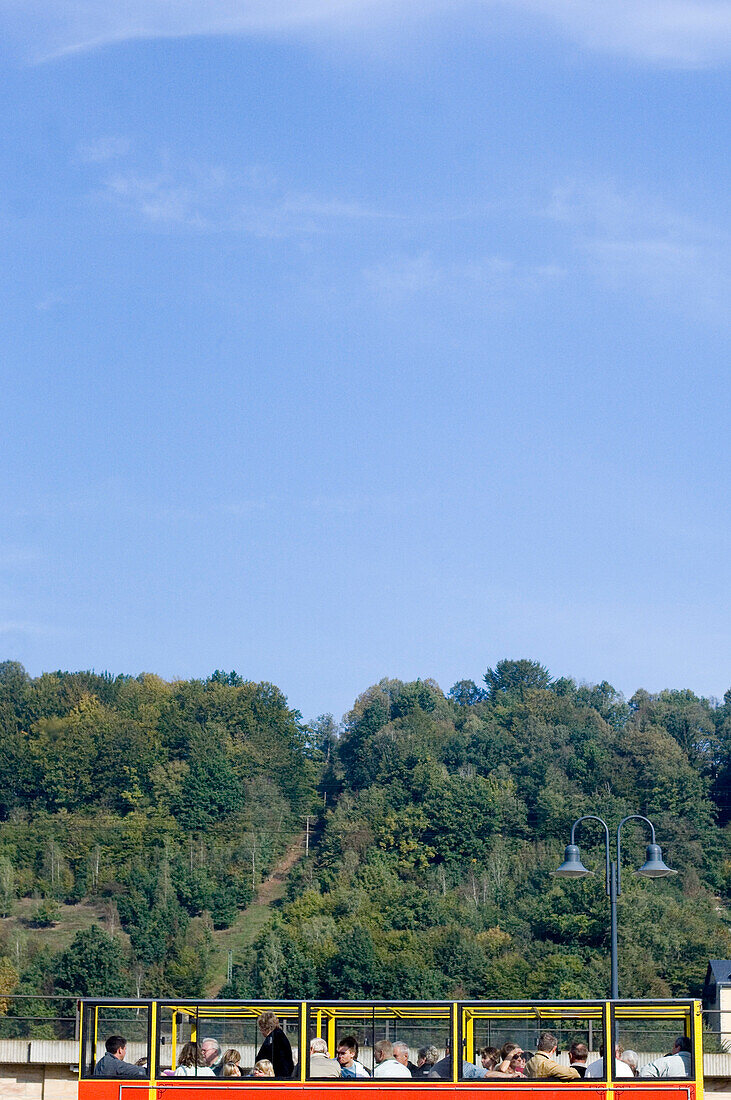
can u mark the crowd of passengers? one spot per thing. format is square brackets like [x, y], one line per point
[393, 1060]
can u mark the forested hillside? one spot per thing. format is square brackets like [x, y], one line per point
[432, 878]
[165, 802]
[441, 817]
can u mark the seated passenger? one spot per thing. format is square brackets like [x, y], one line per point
[470, 1071]
[320, 1064]
[510, 1062]
[426, 1059]
[113, 1063]
[578, 1053]
[401, 1054]
[490, 1058]
[230, 1063]
[347, 1055]
[443, 1069]
[191, 1063]
[543, 1064]
[211, 1051]
[674, 1064]
[263, 1068]
[632, 1058]
[595, 1070]
[504, 1067]
[386, 1064]
[517, 1062]
[276, 1046]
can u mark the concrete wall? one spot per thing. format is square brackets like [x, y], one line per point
[28, 1082]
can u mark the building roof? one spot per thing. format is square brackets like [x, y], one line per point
[719, 970]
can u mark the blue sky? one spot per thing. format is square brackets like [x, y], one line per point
[356, 338]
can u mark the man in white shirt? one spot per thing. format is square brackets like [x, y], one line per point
[675, 1064]
[596, 1069]
[386, 1064]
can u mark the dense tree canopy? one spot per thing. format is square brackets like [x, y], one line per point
[432, 876]
[440, 818]
[167, 802]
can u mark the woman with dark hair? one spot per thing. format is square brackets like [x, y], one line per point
[490, 1057]
[191, 1063]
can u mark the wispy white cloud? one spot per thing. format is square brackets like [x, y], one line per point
[27, 629]
[489, 279]
[105, 149]
[639, 243]
[52, 301]
[213, 199]
[603, 234]
[686, 32]
[622, 239]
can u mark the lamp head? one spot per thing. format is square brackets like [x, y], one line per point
[654, 865]
[572, 867]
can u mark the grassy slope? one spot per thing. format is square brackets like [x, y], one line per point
[74, 918]
[71, 919]
[251, 920]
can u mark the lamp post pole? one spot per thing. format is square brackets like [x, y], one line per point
[614, 946]
[653, 867]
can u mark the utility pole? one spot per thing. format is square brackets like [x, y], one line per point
[230, 968]
[308, 818]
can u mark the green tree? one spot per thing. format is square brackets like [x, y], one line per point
[211, 788]
[271, 967]
[515, 678]
[9, 978]
[7, 886]
[354, 973]
[465, 693]
[93, 965]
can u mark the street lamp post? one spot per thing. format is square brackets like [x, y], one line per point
[653, 867]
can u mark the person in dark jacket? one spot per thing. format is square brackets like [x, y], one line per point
[276, 1046]
[113, 1063]
[578, 1053]
[425, 1060]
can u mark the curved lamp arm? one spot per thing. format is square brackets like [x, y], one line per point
[593, 817]
[630, 817]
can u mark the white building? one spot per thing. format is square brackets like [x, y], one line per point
[717, 999]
